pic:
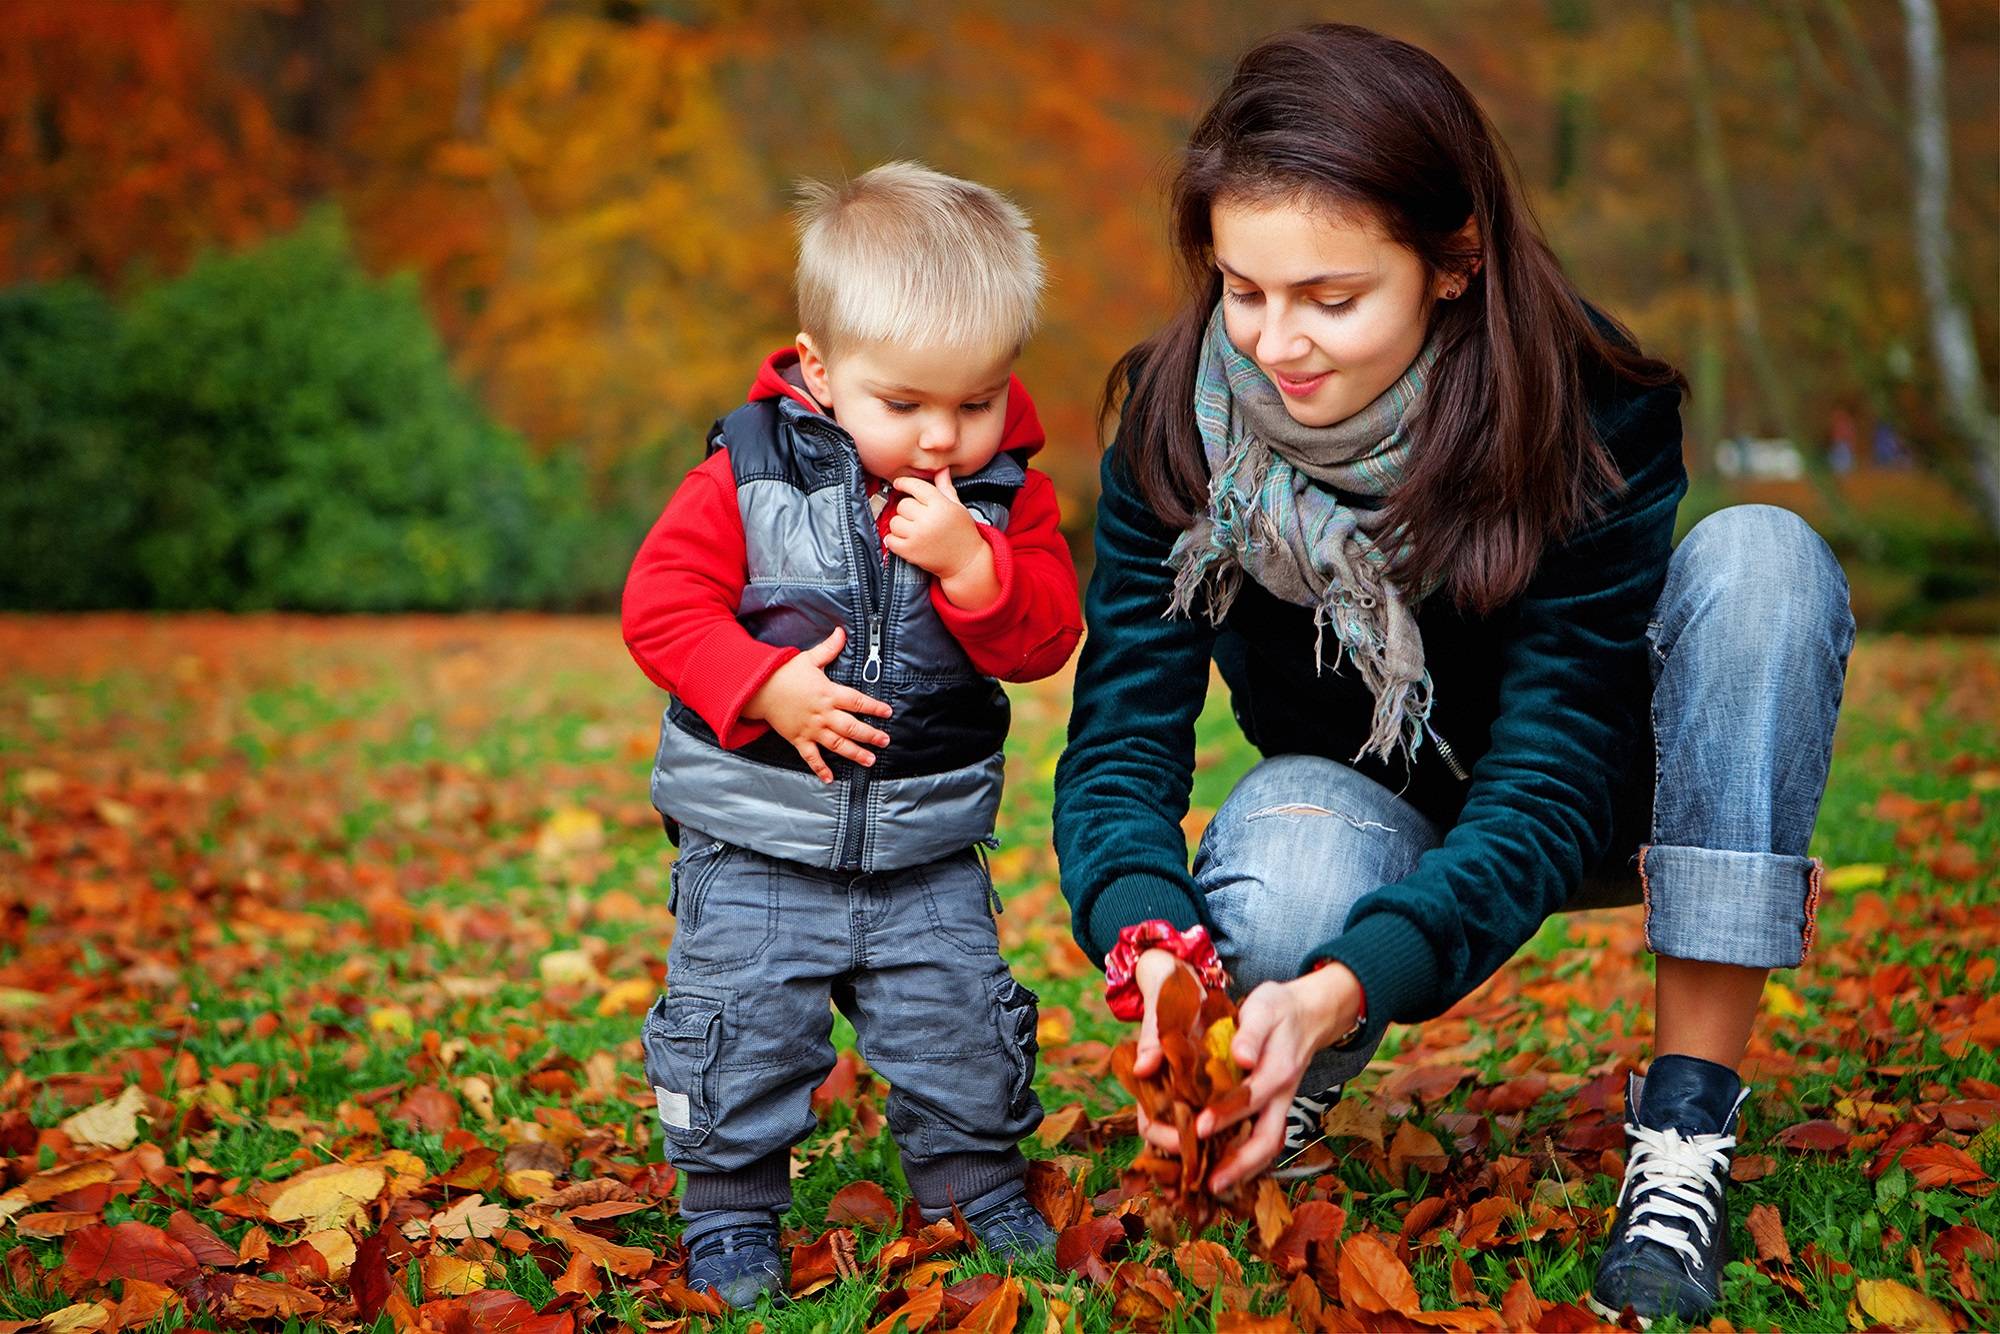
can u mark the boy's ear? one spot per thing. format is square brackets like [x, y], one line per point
[812, 366]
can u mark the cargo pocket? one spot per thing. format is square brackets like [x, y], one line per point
[1017, 1010]
[682, 1034]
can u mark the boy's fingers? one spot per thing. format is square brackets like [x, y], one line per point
[856, 702]
[840, 745]
[810, 754]
[855, 730]
[916, 488]
[820, 654]
[943, 482]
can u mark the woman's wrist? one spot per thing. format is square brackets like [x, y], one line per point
[1334, 997]
[1192, 947]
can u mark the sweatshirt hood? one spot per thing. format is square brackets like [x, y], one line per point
[780, 377]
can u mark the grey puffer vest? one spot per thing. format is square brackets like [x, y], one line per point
[815, 561]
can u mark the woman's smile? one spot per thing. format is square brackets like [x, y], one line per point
[1297, 386]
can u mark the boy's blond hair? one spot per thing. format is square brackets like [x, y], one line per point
[903, 255]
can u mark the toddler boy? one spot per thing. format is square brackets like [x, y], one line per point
[830, 598]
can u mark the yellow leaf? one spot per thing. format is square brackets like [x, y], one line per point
[1220, 1034]
[570, 829]
[632, 996]
[1899, 1307]
[1861, 875]
[326, 1197]
[111, 1124]
[392, 1019]
[77, 1318]
[407, 1173]
[530, 1183]
[1782, 1001]
[449, 1276]
[336, 1247]
[569, 967]
[39, 782]
[478, 1095]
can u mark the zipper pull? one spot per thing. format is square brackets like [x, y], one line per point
[871, 670]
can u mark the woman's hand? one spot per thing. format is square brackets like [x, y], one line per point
[1279, 1028]
[1149, 972]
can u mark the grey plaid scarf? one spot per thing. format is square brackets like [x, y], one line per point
[1270, 516]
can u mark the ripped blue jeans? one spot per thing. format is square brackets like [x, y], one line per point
[1749, 642]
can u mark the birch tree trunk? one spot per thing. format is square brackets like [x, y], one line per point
[1952, 341]
[1733, 247]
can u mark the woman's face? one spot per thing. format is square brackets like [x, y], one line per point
[1329, 307]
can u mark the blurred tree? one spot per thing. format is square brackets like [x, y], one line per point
[125, 145]
[604, 257]
[1953, 342]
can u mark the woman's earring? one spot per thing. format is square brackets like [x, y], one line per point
[1451, 293]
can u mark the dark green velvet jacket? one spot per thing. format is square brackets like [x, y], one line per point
[1544, 706]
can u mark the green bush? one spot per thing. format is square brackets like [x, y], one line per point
[69, 504]
[298, 441]
[274, 429]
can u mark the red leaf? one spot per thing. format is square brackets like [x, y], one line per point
[1520, 1308]
[865, 1203]
[129, 1250]
[1815, 1137]
[1767, 1229]
[1373, 1279]
[823, 1260]
[1480, 1229]
[1941, 1165]
[368, 1280]
[1086, 1249]
[1315, 1223]
[202, 1243]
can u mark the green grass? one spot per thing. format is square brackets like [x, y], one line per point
[266, 866]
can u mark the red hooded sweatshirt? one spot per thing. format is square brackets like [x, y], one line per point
[687, 582]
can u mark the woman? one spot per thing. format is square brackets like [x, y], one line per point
[1415, 499]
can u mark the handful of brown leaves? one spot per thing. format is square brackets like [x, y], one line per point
[1197, 1074]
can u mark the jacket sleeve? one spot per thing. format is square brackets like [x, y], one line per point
[681, 597]
[1124, 780]
[1031, 628]
[1573, 681]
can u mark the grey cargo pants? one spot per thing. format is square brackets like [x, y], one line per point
[742, 1036]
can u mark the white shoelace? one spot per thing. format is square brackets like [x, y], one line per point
[1669, 1177]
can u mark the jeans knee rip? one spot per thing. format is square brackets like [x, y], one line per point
[1294, 810]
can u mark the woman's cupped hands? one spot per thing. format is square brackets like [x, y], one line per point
[1278, 1028]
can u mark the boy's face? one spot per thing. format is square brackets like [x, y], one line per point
[912, 411]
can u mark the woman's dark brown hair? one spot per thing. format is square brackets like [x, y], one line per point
[1503, 456]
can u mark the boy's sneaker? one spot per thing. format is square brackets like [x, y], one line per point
[737, 1261]
[1670, 1240]
[1305, 1153]
[1009, 1226]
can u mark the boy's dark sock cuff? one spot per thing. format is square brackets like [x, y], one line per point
[961, 1177]
[764, 1184]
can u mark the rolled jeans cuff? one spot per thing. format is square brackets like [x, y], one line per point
[1754, 909]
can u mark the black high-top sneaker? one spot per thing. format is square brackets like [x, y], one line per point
[1305, 1153]
[1671, 1237]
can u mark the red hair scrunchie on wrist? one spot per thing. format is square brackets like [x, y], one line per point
[1192, 947]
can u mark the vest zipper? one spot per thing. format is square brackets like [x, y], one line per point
[871, 670]
[1450, 759]
[873, 595]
